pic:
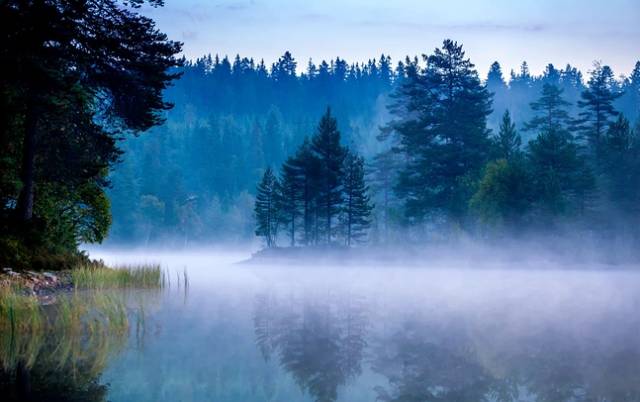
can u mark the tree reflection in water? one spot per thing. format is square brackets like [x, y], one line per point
[320, 342]
[459, 356]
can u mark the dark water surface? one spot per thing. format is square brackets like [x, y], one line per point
[240, 333]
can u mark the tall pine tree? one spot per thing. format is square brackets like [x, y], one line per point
[597, 106]
[440, 119]
[326, 147]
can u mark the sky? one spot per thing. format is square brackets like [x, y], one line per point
[508, 31]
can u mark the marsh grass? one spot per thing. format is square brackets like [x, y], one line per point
[83, 328]
[120, 277]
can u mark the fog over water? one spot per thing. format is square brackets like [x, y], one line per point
[355, 333]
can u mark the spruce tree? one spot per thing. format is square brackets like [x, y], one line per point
[508, 140]
[330, 154]
[267, 213]
[356, 210]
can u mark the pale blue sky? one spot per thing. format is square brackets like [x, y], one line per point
[510, 31]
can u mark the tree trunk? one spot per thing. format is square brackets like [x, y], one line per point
[27, 173]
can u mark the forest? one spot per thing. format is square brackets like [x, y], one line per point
[445, 151]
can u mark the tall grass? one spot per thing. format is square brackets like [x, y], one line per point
[120, 277]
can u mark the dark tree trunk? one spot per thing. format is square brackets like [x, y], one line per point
[27, 174]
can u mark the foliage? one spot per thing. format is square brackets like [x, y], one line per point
[78, 76]
[504, 194]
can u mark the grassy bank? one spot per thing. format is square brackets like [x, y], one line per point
[82, 328]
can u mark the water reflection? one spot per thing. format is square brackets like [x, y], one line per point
[490, 350]
[63, 357]
[320, 342]
[361, 336]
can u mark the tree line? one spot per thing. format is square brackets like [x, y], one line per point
[445, 169]
[320, 196]
[170, 188]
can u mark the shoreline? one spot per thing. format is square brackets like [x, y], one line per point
[44, 286]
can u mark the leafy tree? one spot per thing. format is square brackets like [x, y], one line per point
[79, 75]
[266, 209]
[504, 194]
[326, 147]
[357, 206]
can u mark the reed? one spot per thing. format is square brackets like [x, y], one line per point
[120, 277]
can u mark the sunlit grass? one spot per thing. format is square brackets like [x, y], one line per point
[126, 276]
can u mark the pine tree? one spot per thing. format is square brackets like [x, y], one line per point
[508, 141]
[326, 147]
[266, 208]
[550, 111]
[440, 119]
[356, 210]
[597, 106]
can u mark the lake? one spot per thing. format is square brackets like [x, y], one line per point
[237, 332]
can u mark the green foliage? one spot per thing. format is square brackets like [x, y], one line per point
[82, 74]
[505, 193]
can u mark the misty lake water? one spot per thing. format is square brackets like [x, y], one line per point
[449, 333]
